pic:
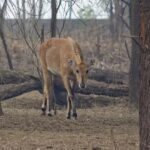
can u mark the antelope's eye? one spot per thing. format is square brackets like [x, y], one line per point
[77, 71]
[87, 71]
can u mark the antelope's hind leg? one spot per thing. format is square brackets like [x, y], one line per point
[54, 97]
[43, 107]
[47, 102]
[68, 107]
[49, 95]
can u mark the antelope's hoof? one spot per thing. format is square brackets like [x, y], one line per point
[49, 114]
[43, 109]
[69, 116]
[74, 115]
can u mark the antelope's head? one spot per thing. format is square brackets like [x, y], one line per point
[81, 72]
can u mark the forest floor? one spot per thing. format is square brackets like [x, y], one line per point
[111, 127]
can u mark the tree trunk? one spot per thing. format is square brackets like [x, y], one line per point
[24, 15]
[40, 9]
[1, 112]
[144, 98]
[111, 19]
[117, 20]
[135, 53]
[53, 18]
[33, 9]
[2, 35]
[18, 9]
[6, 49]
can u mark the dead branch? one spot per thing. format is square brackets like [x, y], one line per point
[108, 76]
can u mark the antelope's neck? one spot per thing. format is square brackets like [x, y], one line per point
[78, 56]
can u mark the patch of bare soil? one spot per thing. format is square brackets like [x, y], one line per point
[112, 127]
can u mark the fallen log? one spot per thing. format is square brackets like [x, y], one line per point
[86, 101]
[33, 83]
[108, 76]
[13, 77]
[97, 88]
[11, 90]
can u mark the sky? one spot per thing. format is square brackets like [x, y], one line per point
[63, 11]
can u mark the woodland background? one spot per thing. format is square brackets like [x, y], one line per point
[118, 86]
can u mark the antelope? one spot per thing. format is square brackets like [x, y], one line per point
[63, 57]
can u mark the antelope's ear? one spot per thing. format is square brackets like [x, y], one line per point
[71, 63]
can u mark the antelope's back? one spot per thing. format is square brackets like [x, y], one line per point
[56, 52]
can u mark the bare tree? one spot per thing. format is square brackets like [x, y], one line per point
[111, 19]
[2, 34]
[54, 10]
[53, 18]
[18, 9]
[24, 14]
[144, 98]
[40, 9]
[135, 52]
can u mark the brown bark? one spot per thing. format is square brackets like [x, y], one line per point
[144, 98]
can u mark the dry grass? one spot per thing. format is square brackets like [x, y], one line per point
[114, 127]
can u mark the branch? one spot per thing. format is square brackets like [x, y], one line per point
[127, 3]
[125, 23]
[134, 38]
[126, 46]
[4, 7]
[58, 5]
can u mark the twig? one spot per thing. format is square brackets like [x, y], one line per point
[126, 46]
[134, 38]
[125, 23]
[127, 3]
[130, 36]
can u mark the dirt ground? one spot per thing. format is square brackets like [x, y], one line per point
[112, 127]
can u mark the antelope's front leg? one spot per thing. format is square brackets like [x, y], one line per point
[69, 96]
[71, 102]
[73, 99]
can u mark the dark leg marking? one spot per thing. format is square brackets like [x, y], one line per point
[74, 115]
[69, 115]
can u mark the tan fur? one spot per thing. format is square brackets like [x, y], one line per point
[55, 55]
